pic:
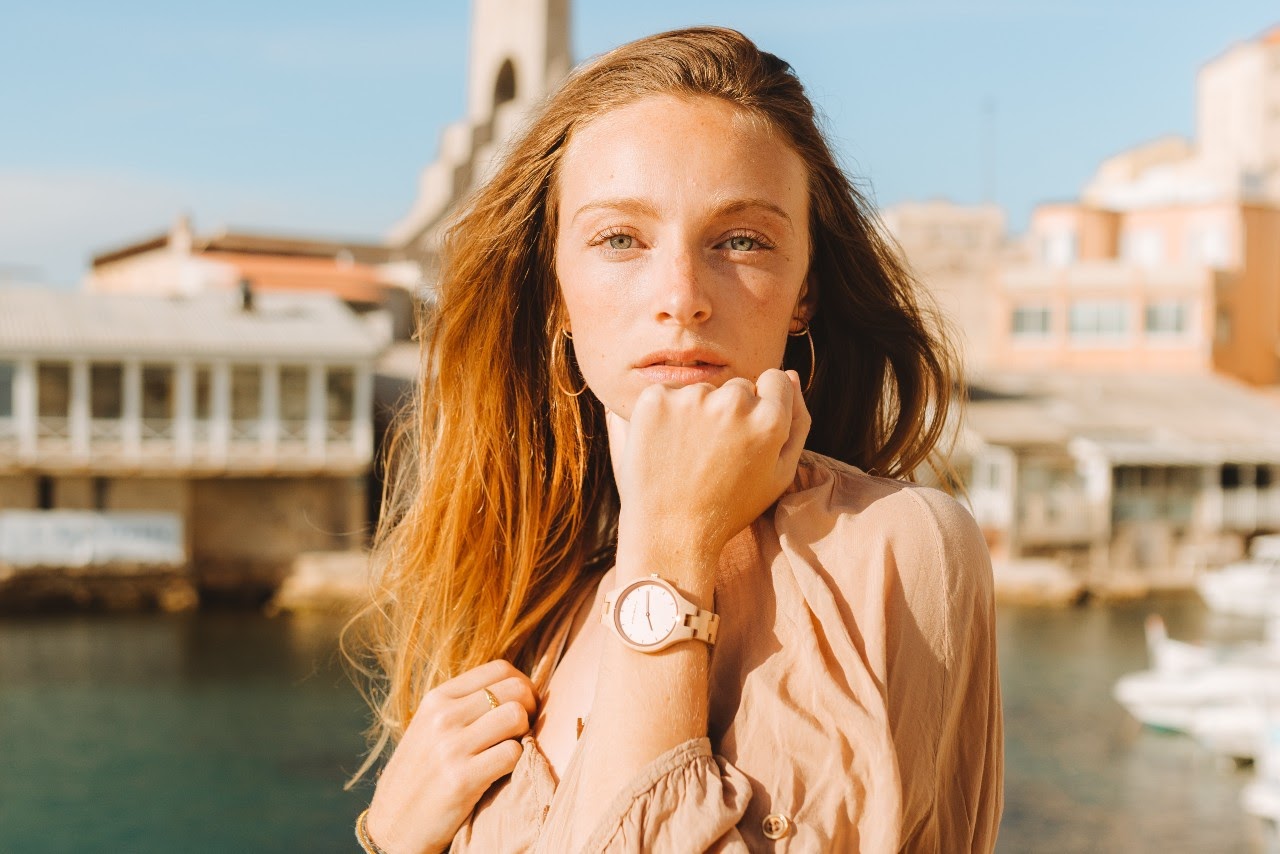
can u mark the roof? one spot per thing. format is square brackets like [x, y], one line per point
[256, 243]
[47, 322]
[1137, 418]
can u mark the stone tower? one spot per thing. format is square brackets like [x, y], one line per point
[519, 52]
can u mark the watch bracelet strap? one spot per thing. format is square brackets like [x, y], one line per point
[704, 625]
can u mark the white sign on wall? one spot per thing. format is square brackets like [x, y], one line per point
[81, 538]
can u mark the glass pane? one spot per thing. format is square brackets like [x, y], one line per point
[157, 391]
[246, 393]
[203, 393]
[340, 393]
[7, 370]
[293, 393]
[53, 389]
[106, 391]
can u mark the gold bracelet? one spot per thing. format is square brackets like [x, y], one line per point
[363, 837]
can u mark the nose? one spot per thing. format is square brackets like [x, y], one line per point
[680, 293]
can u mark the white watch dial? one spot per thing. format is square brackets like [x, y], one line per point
[647, 614]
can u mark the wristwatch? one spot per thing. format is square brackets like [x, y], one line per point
[650, 615]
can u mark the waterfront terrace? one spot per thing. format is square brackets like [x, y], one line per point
[236, 426]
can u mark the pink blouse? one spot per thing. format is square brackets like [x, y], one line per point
[855, 700]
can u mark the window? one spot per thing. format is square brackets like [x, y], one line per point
[246, 393]
[1232, 476]
[504, 88]
[157, 392]
[1208, 245]
[203, 393]
[106, 391]
[1031, 321]
[293, 393]
[1060, 248]
[1099, 319]
[1166, 318]
[53, 389]
[7, 370]
[340, 394]
[1143, 246]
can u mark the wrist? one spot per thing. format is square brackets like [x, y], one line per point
[674, 538]
[692, 572]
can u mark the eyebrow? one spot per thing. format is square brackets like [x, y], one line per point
[644, 208]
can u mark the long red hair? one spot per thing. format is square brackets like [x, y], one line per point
[500, 505]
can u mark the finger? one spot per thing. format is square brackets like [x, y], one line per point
[476, 678]
[774, 388]
[510, 720]
[739, 384]
[775, 385]
[497, 761]
[514, 688]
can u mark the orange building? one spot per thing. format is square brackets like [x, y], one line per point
[1170, 261]
[1168, 288]
[182, 263]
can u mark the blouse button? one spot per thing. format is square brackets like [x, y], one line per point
[776, 825]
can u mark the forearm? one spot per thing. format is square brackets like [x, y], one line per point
[645, 703]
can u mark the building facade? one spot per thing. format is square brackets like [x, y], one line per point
[228, 432]
[1124, 353]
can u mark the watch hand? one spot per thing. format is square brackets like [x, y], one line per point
[647, 594]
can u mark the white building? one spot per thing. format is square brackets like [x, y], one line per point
[519, 53]
[238, 425]
[1122, 474]
[1236, 153]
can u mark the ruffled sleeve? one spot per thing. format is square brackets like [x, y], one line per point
[685, 800]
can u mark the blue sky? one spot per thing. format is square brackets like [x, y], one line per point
[316, 117]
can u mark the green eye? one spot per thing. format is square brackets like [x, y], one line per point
[620, 241]
[741, 243]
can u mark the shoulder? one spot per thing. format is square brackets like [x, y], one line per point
[890, 542]
[904, 516]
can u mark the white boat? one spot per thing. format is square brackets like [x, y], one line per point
[1250, 587]
[1173, 701]
[1234, 731]
[1189, 682]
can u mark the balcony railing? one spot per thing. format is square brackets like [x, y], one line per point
[157, 429]
[153, 442]
[52, 427]
[293, 430]
[106, 430]
[244, 430]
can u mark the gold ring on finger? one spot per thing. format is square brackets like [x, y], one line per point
[493, 699]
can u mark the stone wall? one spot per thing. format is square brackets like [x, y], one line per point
[18, 492]
[246, 532]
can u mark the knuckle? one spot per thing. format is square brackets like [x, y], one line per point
[436, 718]
[510, 752]
[513, 715]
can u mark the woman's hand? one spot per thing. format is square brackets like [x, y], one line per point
[453, 749]
[697, 464]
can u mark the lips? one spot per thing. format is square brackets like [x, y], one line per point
[682, 367]
[681, 359]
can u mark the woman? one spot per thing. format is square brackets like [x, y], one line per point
[813, 667]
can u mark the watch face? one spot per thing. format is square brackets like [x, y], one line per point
[647, 613]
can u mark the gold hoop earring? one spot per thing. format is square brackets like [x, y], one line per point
[813, 358]
[556, 348]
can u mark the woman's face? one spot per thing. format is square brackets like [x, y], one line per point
[682, 247]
